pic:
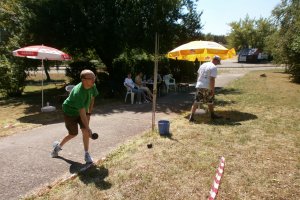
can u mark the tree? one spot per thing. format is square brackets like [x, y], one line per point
[112, 26]
[250, 33]
[285, 43]
[107, 27]
[216, 38]
[12, 30]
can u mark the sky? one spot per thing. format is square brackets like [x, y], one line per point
[217, 14]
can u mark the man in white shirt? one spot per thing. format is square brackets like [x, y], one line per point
[205, 87]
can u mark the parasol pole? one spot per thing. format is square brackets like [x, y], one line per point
[42, 83]
[155, 80]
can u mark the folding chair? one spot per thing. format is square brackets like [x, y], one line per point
[69, 88]
[169, 81]
[129, 91]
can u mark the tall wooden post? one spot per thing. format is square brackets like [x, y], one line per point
[155, 81]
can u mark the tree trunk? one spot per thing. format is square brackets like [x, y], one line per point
[46, 69]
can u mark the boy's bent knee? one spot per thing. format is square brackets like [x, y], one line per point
[72, 135]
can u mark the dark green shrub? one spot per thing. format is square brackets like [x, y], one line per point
[75, 68]
[184, 71]
[13, 77]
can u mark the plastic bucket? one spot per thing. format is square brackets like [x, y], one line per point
[163, 127]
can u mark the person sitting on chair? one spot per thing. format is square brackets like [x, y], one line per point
[139, 84]
[128, 82]
[159, 82]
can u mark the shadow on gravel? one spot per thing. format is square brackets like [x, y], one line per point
[170, 103]
[74, 166]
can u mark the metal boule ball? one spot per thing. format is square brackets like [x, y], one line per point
[149, 145]
[94, 136]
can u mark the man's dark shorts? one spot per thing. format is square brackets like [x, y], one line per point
[204, 95]
[72, 124]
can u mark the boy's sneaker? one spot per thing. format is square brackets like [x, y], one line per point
[87, 157]
[56, 149]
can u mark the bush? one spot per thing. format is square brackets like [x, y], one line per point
[294, 70]
[184, 71]
[102, 78]
[132, 61]
[75, 68]
[13, 77]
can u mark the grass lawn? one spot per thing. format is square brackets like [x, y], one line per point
[259, 137]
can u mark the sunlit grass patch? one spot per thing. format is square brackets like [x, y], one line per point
[24, 112]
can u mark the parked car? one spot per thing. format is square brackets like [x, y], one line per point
[248, 55]
[252, 55]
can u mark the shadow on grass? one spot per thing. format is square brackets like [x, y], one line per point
[94, 174]
[169, 136]
[31, 102]
[33, 99]
[219, 102]
[232, 118]
[39, 82]
[225, 91]
[44, 118]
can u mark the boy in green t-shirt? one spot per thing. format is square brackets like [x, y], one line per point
[77, 109]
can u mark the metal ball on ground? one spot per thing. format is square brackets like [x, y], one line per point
[149, 145]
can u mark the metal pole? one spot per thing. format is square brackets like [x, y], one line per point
[155, 81]
[42, 83]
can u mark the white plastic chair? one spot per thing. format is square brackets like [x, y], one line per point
[169, 81]
[69, 88]
[129, 91]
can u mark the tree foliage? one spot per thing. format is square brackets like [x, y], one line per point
[12, 31]
[221, 39]
[107, 27]
[112, 26]
[250, 33]
[285, 42]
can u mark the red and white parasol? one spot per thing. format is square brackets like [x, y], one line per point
[41, 52]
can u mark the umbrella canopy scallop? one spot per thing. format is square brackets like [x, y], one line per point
[200, 50]
[41, 52]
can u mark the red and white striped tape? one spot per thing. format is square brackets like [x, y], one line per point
[215, 186]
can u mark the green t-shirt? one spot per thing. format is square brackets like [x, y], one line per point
[79, 98]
